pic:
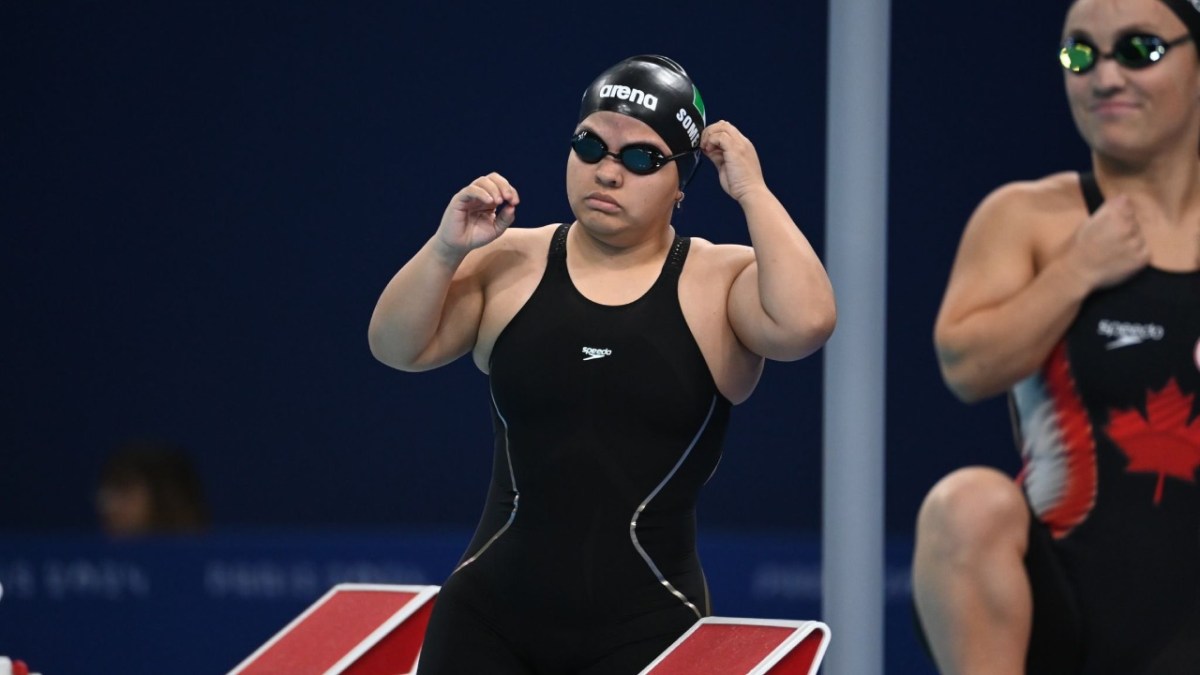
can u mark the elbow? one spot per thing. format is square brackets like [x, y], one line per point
[385, 352]
[964, 388]
[377, 341]
[806, 338]
[379, 348]
[821, 327]
[824, 319]
[390, 350]
[964, 377]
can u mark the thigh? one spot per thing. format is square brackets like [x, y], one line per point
[630, 659]
[629, 648]
[459, 640]
[1182, 652]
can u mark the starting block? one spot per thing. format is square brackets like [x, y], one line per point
[726, 646]
[354, 629]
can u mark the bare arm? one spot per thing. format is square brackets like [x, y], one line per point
[1001, 316]
[429, 313]
[781, 304]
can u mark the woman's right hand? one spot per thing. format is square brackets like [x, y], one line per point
[1109, 247]
[477, 215]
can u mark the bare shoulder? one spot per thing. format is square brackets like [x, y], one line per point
[512, 250]
[521, 239]
[512, 266]
[1058, 190]
[726, 260]
[1029, 205]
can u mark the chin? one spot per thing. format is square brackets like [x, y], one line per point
[1123, 152]
[600, 223]
[1119, 145]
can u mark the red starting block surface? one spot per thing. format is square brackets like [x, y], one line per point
[354, 629]
[724, 646]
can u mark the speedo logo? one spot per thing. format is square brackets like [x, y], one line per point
[620, 91]
[1127, 334]
[590, 353]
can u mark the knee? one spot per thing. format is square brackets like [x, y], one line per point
[973, 508]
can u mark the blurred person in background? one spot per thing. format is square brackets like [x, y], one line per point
[150, 487]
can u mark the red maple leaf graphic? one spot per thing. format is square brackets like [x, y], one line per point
[1162, 442]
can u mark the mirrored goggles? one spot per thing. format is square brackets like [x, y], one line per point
[1133, 50]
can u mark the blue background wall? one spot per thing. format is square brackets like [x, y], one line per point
[201, 202]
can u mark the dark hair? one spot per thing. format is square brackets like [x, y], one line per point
[177, 501]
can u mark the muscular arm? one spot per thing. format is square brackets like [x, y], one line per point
[1001, 315]
[429, 313]
[781, 304]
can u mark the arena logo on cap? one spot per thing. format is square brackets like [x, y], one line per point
[624, 93]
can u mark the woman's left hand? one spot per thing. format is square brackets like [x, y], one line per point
[735, 158]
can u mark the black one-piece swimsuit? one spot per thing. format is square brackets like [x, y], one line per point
[607, 423]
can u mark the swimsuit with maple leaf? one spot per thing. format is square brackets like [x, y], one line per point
[1110, 440]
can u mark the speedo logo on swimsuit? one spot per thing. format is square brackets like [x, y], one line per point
[1128, 334]
[620, 91]
[590, 353]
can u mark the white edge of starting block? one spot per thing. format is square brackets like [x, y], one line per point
[801, 630]
[423, 594]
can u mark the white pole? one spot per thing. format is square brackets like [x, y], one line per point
[856, 256]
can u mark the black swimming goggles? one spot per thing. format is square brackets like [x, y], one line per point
[640, 158]
[1132, 50]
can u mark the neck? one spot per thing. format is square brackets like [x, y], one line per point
[1171, 181]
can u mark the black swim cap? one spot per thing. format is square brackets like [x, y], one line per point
[1188, 12]
[657, 91]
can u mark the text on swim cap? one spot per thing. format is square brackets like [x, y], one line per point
[688, 125]
[624, 93]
